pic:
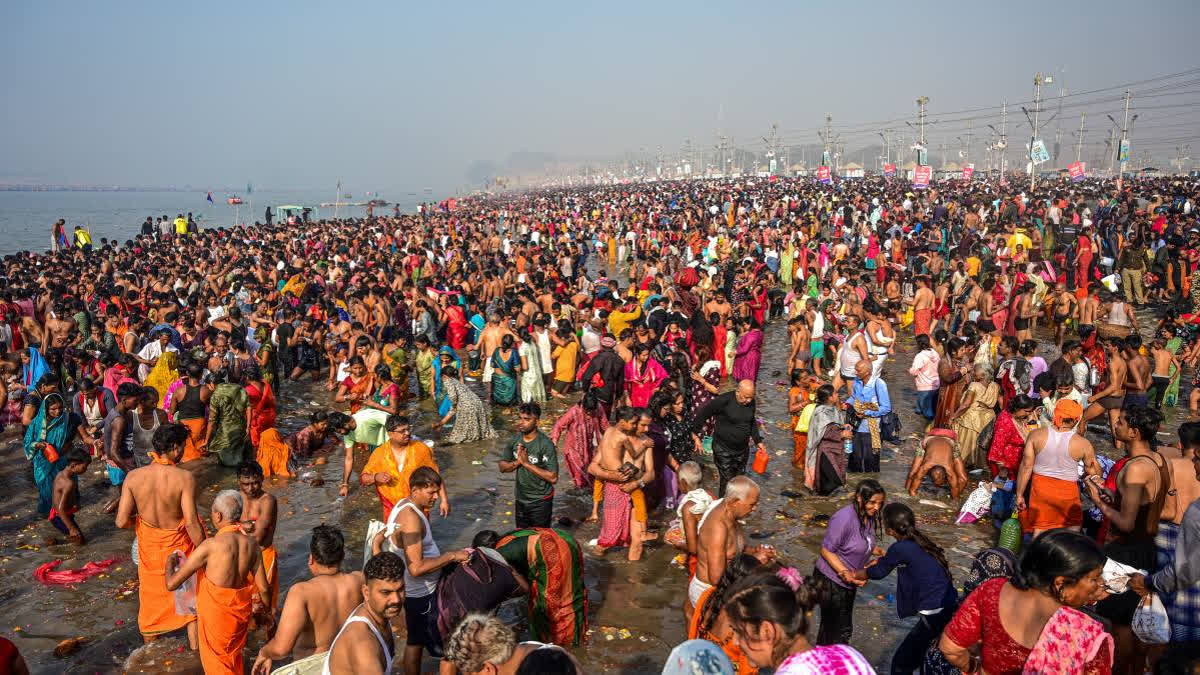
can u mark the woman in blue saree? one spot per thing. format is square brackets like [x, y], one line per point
[506, 366]
[446, 356]
[47, 440]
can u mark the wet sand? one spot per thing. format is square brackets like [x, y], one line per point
[642, 598]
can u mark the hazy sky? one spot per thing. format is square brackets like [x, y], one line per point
[394, 96]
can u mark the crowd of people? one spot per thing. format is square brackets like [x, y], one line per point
[640, 310]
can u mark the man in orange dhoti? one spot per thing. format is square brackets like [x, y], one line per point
[261, 509]
[230, 577]
[159, 500]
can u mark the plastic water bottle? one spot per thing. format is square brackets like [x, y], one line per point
[1010, 534]
[848, 446]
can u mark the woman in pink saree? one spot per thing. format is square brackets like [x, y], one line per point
[580, 429]
[749, 353]
[457, 327]
[642, 376]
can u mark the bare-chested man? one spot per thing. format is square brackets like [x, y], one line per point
[232, 590]
[1137, 383]
[1162, 361]
[639, 454]
[719, 305]
[1089, 307]
[1185, 487]
[261, 510]
[939, 458]
[1064, 306]
[314, 610]
[159, 501]
[61, 328]
[489, 340]
[721, 535]
[612, 479]
[1111, 397]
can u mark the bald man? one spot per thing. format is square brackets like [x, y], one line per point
[721, 537]
[225, 594]
[736, 426]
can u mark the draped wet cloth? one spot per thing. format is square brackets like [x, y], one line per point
[614, 521]
[471, 422]
[273, 454]
[383, 460]
[156, 605]
[227, 409]
[35, 369]
[552, 561]
[164, 373]
[579, 433]
[825, 418]
[262, 409]
[57, 432]
[224, 621]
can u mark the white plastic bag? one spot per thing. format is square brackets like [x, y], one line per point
[1116, 576]
[977, 503]
[373, 528]
[185, 595]
[1150, 623]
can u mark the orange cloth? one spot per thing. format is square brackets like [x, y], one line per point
[799, 448]
[156, 605]
[639, 505]
[1053, 502]
[922, 318]
[383, 460]
[741, 665]
[270, 566]
[273, 454]
[224, 615]
[194, 448]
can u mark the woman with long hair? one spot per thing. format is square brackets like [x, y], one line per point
[709, 620]
[506, 366]
[824, 455]
[464, 410]
[1030, 624]
[924, 586]
[769, 612]
[749, 352]
[849, 543]
[976, 410]
[579, 430]
[262, 402]
[1008, 439]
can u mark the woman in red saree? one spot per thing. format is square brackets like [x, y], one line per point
[262, 403]
[457, 327]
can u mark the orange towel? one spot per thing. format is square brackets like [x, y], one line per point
[224, 615]
[273, 454]
[194, 449]
[156, 605]
[922, 318]
[639, 505]
[1053, 502]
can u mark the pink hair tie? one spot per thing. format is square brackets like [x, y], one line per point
[791, 577]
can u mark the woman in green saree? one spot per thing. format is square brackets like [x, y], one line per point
[228, 420]
[552, 561]
[506, 365]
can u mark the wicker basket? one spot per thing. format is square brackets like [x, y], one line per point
[1111, 330]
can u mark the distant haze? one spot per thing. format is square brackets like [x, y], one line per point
[392, 97]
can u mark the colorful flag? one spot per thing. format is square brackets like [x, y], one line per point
[210, 198]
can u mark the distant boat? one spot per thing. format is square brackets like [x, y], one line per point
[234, 200]
[377, 202]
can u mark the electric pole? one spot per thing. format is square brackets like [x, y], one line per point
[1124, 138]
[886, 135]
[922, 101]
[771, 141]
[826, 140]
[1079, 140]
[1002, 146]
[1038, 81]
[1181, 159]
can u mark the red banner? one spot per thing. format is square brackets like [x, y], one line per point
[1076, 170]
[889, 169]
[823, 174]
[922, 176]
[968, 171]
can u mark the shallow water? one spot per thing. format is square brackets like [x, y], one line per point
[645, 597]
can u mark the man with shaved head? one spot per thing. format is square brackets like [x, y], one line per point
[721, 537]
[736, 426]
[226, 592]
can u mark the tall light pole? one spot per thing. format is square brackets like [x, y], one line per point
[1124, 137]
[1038, 80]
[922, 101]
[1079, 139]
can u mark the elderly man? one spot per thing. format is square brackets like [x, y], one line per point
[314, 610]
[225, 593]
[159, 500]
[721, 537]
[736, 425]
[869, 398]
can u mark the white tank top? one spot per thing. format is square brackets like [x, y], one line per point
[359, 619]
[849, 356]
[1054, 460]
[1117, 314]
[418, 587]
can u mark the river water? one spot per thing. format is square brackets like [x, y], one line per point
[645, 598]
[26, 218]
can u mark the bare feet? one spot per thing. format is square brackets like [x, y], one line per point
[592, 518]
[650, 536]
[599, 550]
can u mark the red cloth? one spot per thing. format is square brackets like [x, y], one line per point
[47, 575]
[1007, 442]
[978, 621]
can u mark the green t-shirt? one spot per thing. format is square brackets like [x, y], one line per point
[543, 455]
